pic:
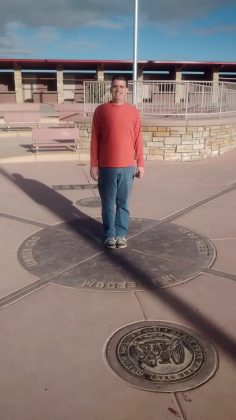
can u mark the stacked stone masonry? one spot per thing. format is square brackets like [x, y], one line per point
[178, 140]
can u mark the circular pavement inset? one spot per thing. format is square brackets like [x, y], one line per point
[158, 255]
[89, 202]
[161, 356]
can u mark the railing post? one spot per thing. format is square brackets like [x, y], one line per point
[203, 94]
[221, 98]
[84, 87]
[186, 99]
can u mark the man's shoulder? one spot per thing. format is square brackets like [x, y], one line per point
[133, 111]
[101, 108]
[127, 107]
[132, 108]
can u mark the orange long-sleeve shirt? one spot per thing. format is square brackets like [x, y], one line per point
[116, 136]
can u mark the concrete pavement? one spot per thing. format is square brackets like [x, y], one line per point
[63, 297]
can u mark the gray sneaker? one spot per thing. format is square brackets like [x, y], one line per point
[121, 242]
[110, 243]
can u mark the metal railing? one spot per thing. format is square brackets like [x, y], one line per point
[154, 98]
[170, 98]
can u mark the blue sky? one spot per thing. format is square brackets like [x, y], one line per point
[103, 29]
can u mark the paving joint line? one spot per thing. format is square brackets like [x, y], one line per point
[89, 181]
[86, 176]
[163, 220]
[21, 293]
[23, 220]
[183, 417]
[198, 204]
[69, 187]
[42, 282]
[186, 209]
[38, 284]
[35, 223]
[140, 306]
[220, 273]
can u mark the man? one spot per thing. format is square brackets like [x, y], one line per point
[116, 157]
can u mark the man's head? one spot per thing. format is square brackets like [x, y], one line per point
[119, 89]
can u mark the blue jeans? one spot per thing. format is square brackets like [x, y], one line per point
[114, 186]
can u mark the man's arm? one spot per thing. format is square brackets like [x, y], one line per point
[94, 171]
[139, 173]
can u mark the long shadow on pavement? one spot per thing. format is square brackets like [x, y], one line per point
[91, 230]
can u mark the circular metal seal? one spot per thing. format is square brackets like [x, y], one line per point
[158, 255]
[161, 356]
[89, 202]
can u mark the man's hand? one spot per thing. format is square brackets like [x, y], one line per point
[94, 173]
[139, 173]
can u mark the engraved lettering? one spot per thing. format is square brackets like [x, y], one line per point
[121, 285]
[111, 285]
[130, 285]
[203, 248]
[169, 278]
[88, 283]
[188, 233]
[108, 285]
[27, 252]
[100, 284]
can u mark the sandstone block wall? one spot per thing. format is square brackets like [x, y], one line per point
[177, 140]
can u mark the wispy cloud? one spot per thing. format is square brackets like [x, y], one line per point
[12, 43]
[31, 27]
[80, 44]
[19, 40]
[213, 30]
[77, 13]
[105, 24]
[8, 52]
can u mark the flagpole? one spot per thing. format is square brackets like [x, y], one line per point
[135, 53]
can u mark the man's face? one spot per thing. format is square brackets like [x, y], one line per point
[118, 91]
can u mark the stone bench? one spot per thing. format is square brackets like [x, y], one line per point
[25, 107]
[56, 138]
[16, 120]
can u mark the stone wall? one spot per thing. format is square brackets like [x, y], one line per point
[178, 140]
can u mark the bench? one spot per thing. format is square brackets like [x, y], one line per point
[55, 137]
[21, 119]
[25, 107]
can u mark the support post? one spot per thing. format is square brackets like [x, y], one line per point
[135, 53]
[60, 85]
[18, 85]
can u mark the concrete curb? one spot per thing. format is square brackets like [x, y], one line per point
[45, 158]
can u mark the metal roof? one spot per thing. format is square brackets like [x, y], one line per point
[114, 65]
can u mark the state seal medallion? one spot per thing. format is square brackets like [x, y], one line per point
[161, 356]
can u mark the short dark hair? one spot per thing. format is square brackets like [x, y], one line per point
[120, 77]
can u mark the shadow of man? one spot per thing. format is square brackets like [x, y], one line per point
[84, 225]
[90, 230]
